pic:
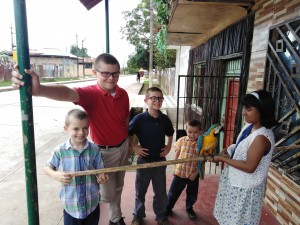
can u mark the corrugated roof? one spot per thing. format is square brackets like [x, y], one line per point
[90, 3]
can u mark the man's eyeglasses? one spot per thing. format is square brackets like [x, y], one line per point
[156, 99]
[108, 74]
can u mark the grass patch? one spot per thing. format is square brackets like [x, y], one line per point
[146, 82]
[5, 83]
[50, 79]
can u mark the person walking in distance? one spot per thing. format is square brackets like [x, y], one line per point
[138, 77]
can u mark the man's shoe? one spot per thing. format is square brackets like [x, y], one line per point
[169, 212]
[136, 221]
[120, 222]
[191, 214]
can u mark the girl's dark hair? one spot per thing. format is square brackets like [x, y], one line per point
[194, 123]
[264, 104]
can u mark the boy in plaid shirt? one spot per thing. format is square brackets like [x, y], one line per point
[186, 174]
[79, 195]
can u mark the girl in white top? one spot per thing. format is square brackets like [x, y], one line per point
[243, 180]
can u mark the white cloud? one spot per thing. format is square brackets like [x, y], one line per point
[55, 23]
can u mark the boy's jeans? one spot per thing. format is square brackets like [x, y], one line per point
[177, 186]
[157, 176]
[92, 219]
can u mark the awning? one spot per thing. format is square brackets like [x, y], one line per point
[89, 3]
[193, 22]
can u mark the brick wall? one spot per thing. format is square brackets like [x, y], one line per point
[283, 198]
[282, 195]
[267, 14]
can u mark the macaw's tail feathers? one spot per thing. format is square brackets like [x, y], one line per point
[201, 169]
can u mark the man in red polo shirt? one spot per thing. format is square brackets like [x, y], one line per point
[107, 106]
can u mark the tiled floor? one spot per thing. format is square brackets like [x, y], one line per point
[203, 207]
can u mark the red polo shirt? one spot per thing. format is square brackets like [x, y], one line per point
[108, 115]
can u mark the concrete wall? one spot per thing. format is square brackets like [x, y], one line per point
[5, 70]
[182, 62]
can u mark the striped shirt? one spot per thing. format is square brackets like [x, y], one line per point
[81, 196]
[188, 149]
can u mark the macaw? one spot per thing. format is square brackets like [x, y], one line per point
[207, 143]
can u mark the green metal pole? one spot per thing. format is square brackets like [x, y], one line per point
[26, 112]
[107, 25]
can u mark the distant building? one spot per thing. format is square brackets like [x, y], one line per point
[50, 63]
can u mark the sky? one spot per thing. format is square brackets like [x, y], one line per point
[55, 23]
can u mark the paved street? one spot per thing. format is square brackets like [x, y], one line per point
[48, 123]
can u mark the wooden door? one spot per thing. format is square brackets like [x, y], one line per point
[231, 109]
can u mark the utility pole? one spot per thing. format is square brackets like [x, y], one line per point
[77, 55]
[83, 58]
[151, 46]
[77, 52]
[27, 113]
[107, 25]
[12, 38]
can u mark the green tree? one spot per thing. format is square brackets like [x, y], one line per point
[137, 32]
[4, 56]
[140, 59]
[80, 52]
[161, 61]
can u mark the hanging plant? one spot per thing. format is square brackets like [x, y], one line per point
[162, 7]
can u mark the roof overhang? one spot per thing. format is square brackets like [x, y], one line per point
[193, 22]
[89, 3]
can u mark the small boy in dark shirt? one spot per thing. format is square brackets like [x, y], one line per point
[151, 128]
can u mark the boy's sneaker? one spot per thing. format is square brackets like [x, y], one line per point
[120, 222]
[165, 222]
[136, 221]
[191, 214]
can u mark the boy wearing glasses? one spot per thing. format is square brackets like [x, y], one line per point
[151, 128]
[107, 106]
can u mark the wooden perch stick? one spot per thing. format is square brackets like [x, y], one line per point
[157, 164]
[139, 166]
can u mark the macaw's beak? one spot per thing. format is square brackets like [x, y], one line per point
[218, 129]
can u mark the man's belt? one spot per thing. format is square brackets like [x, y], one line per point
[114, 146]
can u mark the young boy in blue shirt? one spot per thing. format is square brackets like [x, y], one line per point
[79, 195]
[152, 128]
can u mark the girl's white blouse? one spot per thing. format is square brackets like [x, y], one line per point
[242, 179]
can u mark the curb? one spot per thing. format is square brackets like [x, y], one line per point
[9, 88]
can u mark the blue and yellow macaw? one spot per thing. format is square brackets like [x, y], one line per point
[207, 143]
